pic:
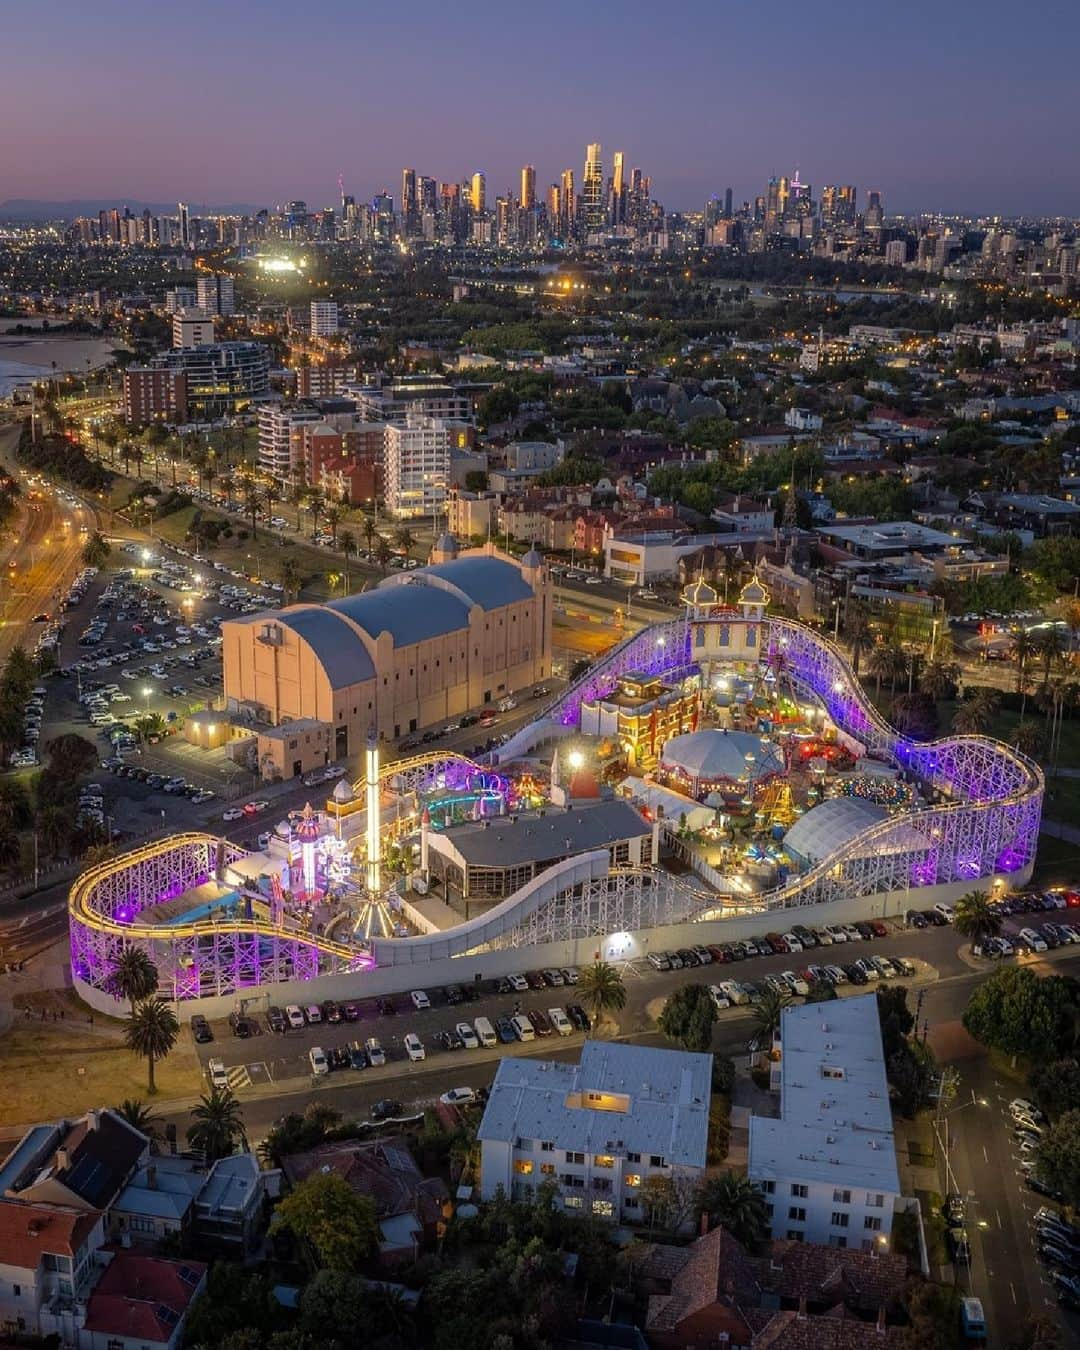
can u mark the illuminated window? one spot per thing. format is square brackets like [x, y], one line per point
[604, 1208]
[573, 1201]
[632, 1179]
[604, 1160]
[523, 1167]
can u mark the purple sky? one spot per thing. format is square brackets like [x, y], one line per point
[969, 107]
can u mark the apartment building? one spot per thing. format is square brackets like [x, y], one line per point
[281, 445]
[192, 328]
[153, 395]
[215, 295]
[598, 1129]
[324, 318]
[827, 1165]
[422, 395]
[417, 465]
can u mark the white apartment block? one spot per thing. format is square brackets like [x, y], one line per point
[192, 328]
[216, 295]
[598, 1129]
[324, 318]
[416, 466]
[183, 297]
[281, 446]
[827, 1166]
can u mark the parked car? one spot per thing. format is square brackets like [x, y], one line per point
[387, 1109]
[459, 1096]
[200, 1029]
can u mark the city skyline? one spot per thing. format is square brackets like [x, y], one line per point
[704, 103]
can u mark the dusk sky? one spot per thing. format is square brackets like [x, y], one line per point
[970, 106]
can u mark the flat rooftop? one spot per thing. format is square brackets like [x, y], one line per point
[651, 1101]
[889, 537]
[508, 841]
[835, 1123]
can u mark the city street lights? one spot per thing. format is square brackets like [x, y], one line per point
[147, 690]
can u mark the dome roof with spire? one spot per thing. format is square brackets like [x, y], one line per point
[699, 592]
[753, 593]
[343, 791]
[534, 558]
[446, 543]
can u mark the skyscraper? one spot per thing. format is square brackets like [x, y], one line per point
[727, 203]
[185, 224]
[845, 204]
[568, 214]
[478, 193]
[410, 212]
[618, 189]
[592, 189]
[528, 187]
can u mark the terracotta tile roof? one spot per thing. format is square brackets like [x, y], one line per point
[143, 1298]
[827, 1274]
[792, 1331]
[383, 1169]
[714, 1268]
[27, 1232]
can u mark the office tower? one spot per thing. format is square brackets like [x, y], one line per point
[324, 318]
[185, 224]
[426, 195]
[772, 204]
[215, 295]
[592, 189]
[828, 204]
[410, 211]
[569, 202]
[618, 190]
[528, 187]
[478, 193]
[845, 204]
[875, 211]
[727, 203]
[896, 252]
[783, 197]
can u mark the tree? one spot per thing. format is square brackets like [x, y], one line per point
[134, 976]
[404, 538]
[383, 552]
[96, 550]
[767, 1014]
[735, 1202]
[218, 1127]
[669, 1200]
[71, 755]
[821, 991]
[977, 711]
[895, 1019]
[688, 1017]
[1056, 1085]
[10, 845]
[1028, 738]
[888, 662]
[151, 1031]
[291, 578]
[54, 827]
[347, 544]
[914, 715]
[602, 990]
[937, 679]
[976, 918]
[1058, 1156]
[138, 1116]
[340, 1225]
[1017, 1012]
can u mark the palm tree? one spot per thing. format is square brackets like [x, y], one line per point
[54, 825]
[736, 1203]
[976, 918]
[252, 502]
[347, 543]
[134, 976]
[1028, 739]
[767, 1014]
[938, 678]
[888, 662]
[218, 1125]
[332, 517]
[1048, 645]
[602, 989]
[977, 711]
[383, 553]
[291, 578]
[138, 1116]
[369, 531]
[151, 1031]
[404, 538]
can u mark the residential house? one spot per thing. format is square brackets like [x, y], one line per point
[46, 1263]
[83, 1163]
[141, 1303]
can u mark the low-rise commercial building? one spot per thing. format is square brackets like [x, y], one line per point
[599, 1130]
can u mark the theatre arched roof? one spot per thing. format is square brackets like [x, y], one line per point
[339, 650]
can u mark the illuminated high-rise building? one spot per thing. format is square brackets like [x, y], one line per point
[185, 224]
[845, 204]
[528, 187]
[829, 204]
[618, 189]
[569, 202]
[875, 212]
[592, 189]
[410, 210]
[554, 207]
[478, 194]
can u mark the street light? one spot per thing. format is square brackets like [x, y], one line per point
[146, 692]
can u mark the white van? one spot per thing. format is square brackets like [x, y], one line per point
[485, 1032]
[523, 1028]
[215, 1071]
[319, 1066]
[414, 1047]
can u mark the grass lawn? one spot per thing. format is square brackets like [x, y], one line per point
[56, 1070]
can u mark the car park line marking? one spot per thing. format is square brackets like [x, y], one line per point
[238, 1077]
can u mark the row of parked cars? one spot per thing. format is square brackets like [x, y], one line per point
[799, 939]
[1057, 1241]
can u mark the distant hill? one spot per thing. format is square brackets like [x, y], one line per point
[26, 208]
